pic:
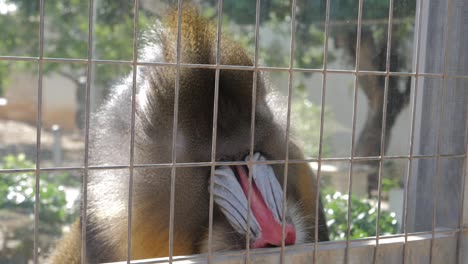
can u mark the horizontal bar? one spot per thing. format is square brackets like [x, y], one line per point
[299, 252]
[228, 163]
[233, 67]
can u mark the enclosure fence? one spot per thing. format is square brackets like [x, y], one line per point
[440, 244]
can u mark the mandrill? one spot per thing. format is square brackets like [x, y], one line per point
[108, 194]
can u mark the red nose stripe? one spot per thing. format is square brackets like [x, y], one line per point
[271, 230]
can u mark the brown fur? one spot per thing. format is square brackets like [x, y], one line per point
[68, 249]
[110, 134]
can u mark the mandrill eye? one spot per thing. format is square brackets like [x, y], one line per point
[230, 193]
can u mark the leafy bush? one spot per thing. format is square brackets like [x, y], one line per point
[17, 199]
[363, 216]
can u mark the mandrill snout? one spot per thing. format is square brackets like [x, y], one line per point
[230, 192]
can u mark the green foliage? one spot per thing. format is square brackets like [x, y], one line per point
[17, 191]
[66, 36]
[389, 183]
[310, 16]
[363, 216]
[372, 9]
[17, 201]
[16, 38]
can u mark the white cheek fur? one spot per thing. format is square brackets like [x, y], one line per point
[299, 222]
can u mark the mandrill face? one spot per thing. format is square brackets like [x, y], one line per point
[267, 213]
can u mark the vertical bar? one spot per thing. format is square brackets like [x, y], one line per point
[132, 132]
[439, 141]
[288, 124]
[214, 129]
[38, 133]
[413, 120]
[174, 132]
[353, 133]
[89, 70]
[437, 176]
[461, 227]
[252, 129]
[322, 116]
[384, 127]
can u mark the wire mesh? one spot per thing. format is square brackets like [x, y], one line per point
[416, 75]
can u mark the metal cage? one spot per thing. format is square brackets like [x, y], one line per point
[445, 220]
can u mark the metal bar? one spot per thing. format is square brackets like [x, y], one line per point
[439, 134]
[34, 170]
[436, 179]
[384, 126]
[132, 132]
[230, 67]
[38, 133]
[174, 132]
[252, 128]
[214, 130]
[84, 214]
[295, 253]
[322, 118]
[460, 241]
[288, 124]
[227, 163]
[412, 129]
[353, 133]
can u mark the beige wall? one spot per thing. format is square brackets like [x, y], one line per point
[58, 100]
